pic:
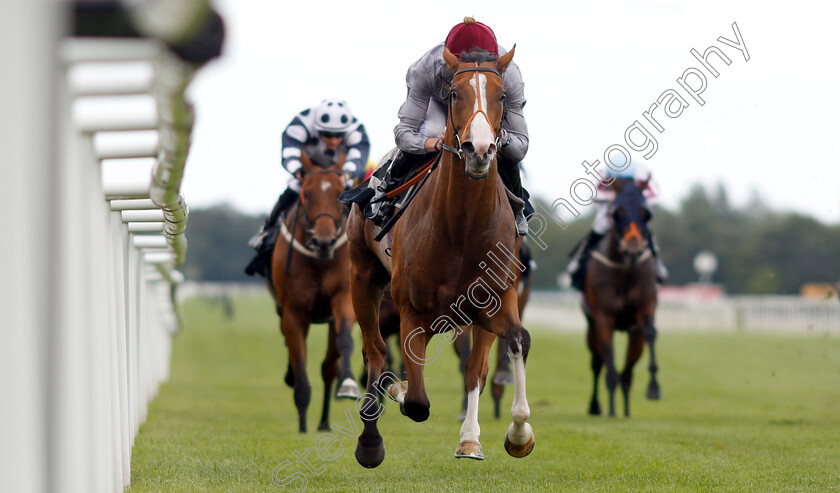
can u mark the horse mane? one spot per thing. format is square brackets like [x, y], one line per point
[478, 55]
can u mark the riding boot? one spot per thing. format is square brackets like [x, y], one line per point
[581, 256]
[286, 199]
[511, 177]
[379, 210]
[661, 270]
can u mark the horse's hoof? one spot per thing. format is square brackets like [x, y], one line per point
[469, 449]
[653, 393]
[595, 409]
[519, 451]
[348, 390]
[289, 378]
[417, 411]
[370, 457]
[462, 415]
[503, 377]
[324, 427]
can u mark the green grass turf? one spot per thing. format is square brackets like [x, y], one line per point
[740, 412]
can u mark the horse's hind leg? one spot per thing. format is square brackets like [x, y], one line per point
[596, 364]
[344, 317]
[475, 376]
[635, 345]
[649, 331]
[329, 369]
[501, 377]
[294, 326]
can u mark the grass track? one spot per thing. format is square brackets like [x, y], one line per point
[740, 412]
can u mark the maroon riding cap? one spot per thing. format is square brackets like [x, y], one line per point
[468, 35]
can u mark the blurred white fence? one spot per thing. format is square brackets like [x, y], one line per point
[791, 314]
[562, 311]
[88, 259]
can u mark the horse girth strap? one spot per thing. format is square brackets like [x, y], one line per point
[284, 231]
[600, 257]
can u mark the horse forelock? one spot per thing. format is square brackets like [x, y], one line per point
[478, 56]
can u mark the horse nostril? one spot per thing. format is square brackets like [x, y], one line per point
[468, 148]
[491, 150]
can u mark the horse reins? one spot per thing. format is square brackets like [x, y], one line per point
[457, 150]
[423, 173]
[341, 235]
[633, 231]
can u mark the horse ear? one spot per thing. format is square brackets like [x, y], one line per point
[644, 185]
[451, 60]
[306, 162]
[505, 59]
[341, 160]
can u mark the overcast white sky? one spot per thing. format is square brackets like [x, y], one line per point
[590, 70]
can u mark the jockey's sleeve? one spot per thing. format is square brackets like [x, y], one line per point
[358, 150]
[293, 140]
[515, 142]
[420, 83]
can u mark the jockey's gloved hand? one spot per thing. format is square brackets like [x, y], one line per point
[349, 169]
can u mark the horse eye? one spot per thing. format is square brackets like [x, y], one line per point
[503, 97]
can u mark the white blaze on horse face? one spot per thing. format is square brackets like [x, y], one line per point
[480, 134]
[325, 185]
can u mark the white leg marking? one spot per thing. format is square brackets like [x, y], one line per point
[470, 429]
[519, 432]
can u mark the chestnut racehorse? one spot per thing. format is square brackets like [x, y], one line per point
[313, 285]
[439, 253]
[502, 376]
[620, 294]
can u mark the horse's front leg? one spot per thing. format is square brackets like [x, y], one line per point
[329, 369]
[649, 331]
[595, 364]
[604, 328]
[475, 376]
[635, 345]
[294, 324]
[462, 346]
[342, 308]
[415, 334]
[366, 295]
[519, 439]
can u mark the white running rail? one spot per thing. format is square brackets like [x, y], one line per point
[89, 248]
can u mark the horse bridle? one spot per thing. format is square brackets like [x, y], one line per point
[306, 222]
[458, 151]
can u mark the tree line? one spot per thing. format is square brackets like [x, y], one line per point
[759, 250]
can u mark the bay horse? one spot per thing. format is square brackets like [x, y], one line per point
[620, 294]
[310, 283]
[439, 251]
